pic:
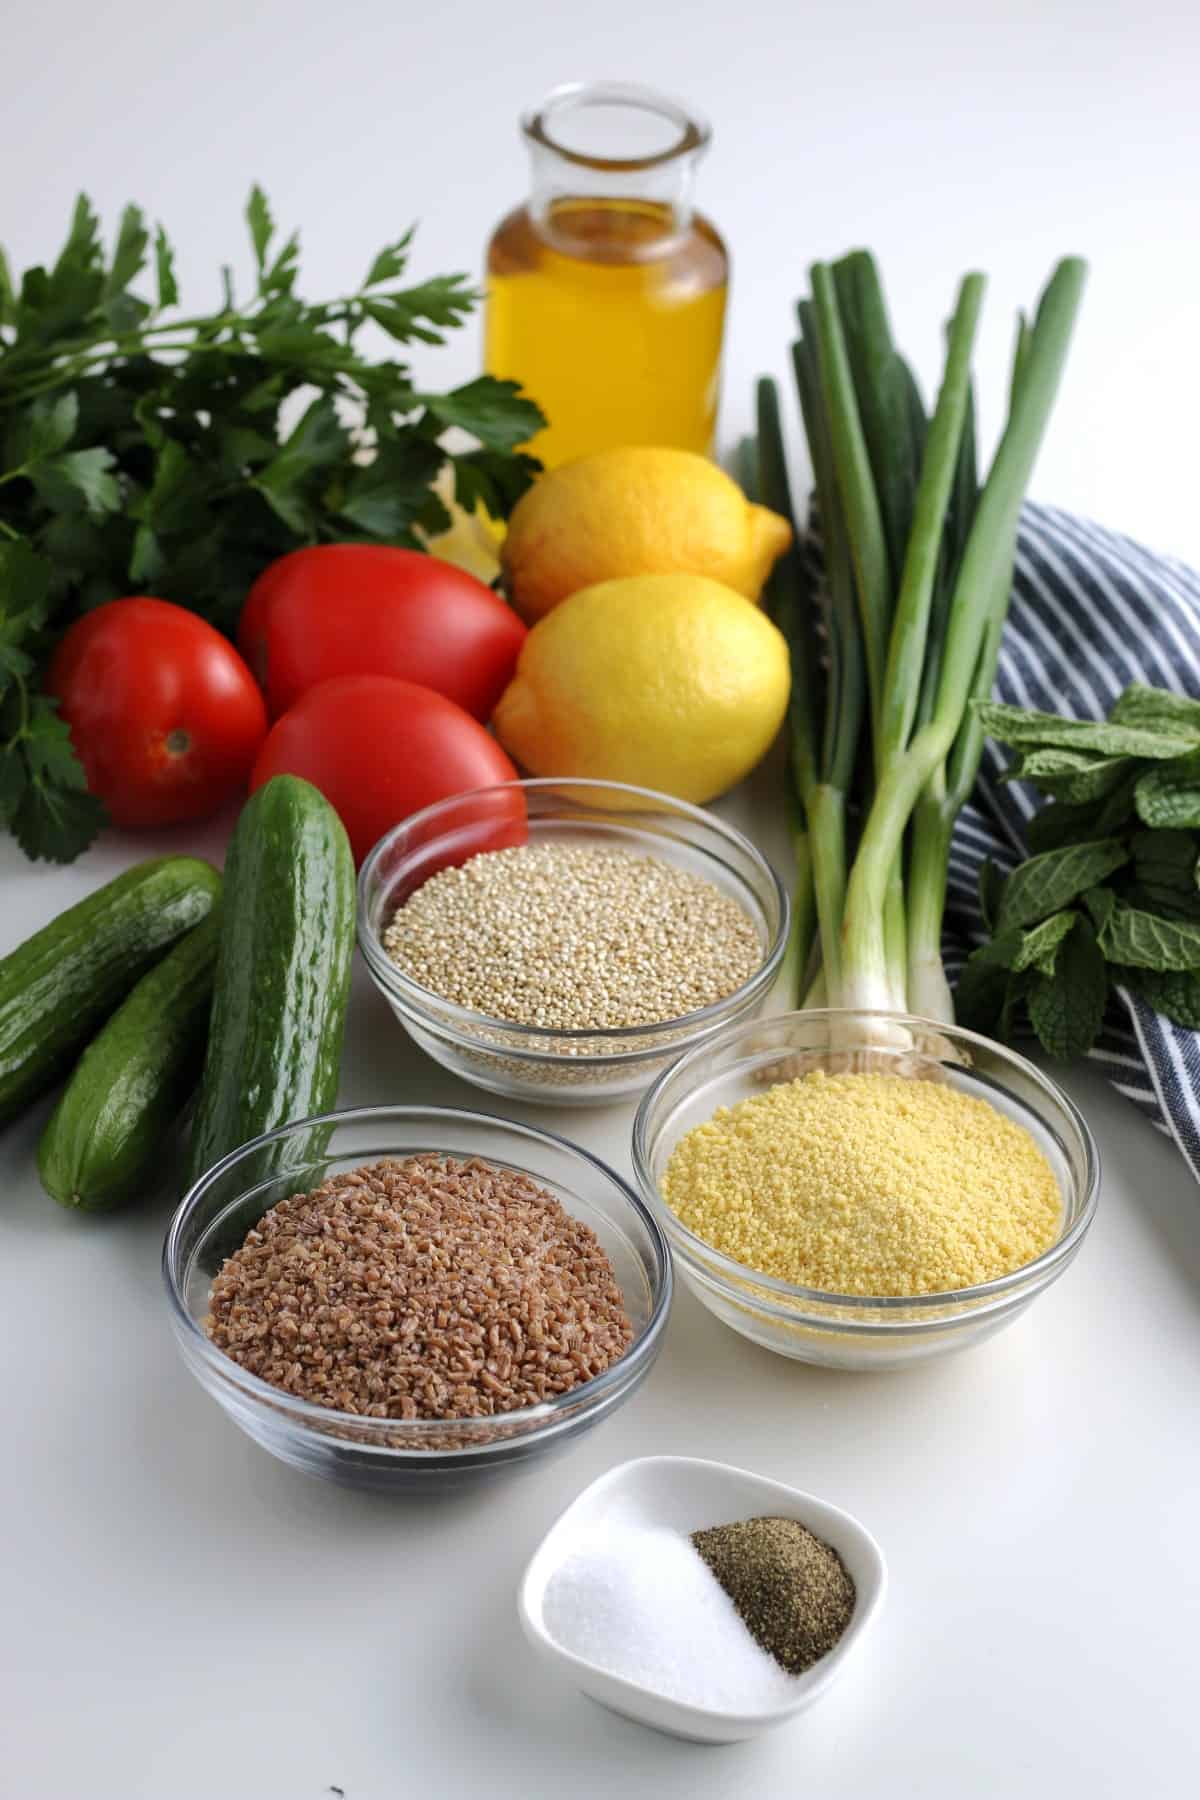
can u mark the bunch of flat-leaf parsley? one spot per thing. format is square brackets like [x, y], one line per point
[141, 451]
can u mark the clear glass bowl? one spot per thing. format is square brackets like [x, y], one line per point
[528, 1062]
[214, 1217]
[847, 1331]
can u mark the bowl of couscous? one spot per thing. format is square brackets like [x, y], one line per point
[564, 941]
[864, 1190]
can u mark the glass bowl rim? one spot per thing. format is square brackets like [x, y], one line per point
[431, 1007]
[307, 1414]
[695, 133]
[693, 1248]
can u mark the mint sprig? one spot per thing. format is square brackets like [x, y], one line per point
[1111, 896]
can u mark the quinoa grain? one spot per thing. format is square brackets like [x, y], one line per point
[574, 937]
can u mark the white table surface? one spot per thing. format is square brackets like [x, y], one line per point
[180, 1616]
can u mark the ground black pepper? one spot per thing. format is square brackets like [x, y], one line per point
[790, 1588]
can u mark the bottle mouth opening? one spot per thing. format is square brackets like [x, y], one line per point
[614, 125]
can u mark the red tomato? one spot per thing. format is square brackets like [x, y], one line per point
[380, 749]
[164, 714]
[370, 609]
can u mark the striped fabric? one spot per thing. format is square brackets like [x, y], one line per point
[1091, 612]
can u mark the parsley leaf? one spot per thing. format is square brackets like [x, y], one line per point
[43, 792]
[389, 495]
[390, 263]
[79, 480]
[492, 411]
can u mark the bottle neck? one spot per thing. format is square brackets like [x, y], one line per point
[618, 146]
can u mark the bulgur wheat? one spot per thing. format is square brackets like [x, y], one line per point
[424, 1289]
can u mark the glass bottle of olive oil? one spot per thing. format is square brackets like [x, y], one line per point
[606, 291]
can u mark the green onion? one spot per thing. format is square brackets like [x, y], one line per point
[918, 568]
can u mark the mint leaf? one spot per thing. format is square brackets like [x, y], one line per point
[1066, 1010]
[979, 998]
[1100, 902]
[1170, 796]
[1155, 709]
[1040, 947]
[1071, 775]
[1047, 883]
[1146, 940]
[495, 412]
[1164, 866]
[1013, 725]
[991, 892]
[1118, 809]
[1061, 824]
[1016, 995]
[1174, 993]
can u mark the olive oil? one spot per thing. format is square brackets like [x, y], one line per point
[611, 316]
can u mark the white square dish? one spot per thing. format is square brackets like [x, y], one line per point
[687, 1494]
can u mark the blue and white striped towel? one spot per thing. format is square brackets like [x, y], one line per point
[1091, 612]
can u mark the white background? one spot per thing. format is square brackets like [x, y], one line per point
[183, 1617]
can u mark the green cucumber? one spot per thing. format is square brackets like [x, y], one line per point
[283, 973]
[61, 984]
[106, 1133]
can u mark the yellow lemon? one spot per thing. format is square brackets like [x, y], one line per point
[667, 681]
[639, 510]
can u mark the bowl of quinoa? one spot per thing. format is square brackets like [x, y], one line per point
[864, 1190]
[564, 941]
[406, 1297]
